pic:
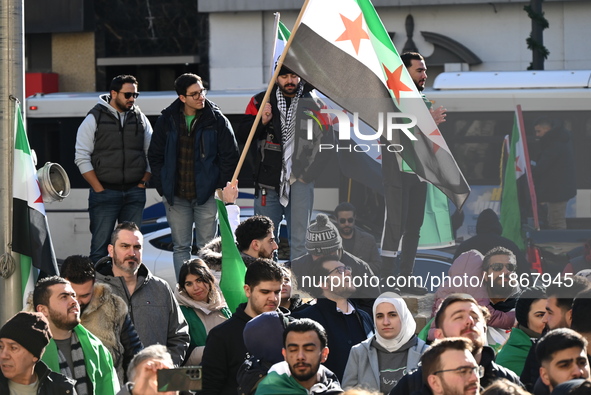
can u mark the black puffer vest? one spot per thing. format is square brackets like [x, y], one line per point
[118, 157]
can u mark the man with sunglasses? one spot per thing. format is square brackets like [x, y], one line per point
[499, 266]
[460, 315]
[111, 152]
[193, 152]
[355, 241]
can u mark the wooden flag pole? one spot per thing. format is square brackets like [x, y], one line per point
[267, 94]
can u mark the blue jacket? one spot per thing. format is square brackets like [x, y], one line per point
[216, 151]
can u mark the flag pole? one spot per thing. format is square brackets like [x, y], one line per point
[12, 87]
[529, 175]
[268, 94]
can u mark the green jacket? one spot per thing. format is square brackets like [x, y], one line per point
[514, 351]
[98, 361]
[280, 382]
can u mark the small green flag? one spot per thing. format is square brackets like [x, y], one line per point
[233, 268]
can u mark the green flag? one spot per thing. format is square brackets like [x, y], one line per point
[515, 169]
[233, 268]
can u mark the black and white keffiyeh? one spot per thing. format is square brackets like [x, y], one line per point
[83, 385]
[288, 122]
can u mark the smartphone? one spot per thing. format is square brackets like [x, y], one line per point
[179, 379]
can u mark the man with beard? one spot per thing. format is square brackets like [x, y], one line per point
[224, 348]
[449, 368]
[345, 324]
[255, 238]
[153, 308]
[460, 316]
[111, 152]
[406, 197]
[74, 351]
[563, 356]
[287, 162]
[304, 349]
[355, 241]
[103, 313]
[561, 294]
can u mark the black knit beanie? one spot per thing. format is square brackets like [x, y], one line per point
[30, 330]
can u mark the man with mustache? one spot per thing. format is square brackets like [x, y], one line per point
[153, 308]
[255, 238]
[304, 349]
[73, 351]
[460, 316]
[355, 241]
[225, 349]
[111, 153]
[102, 312]
[287, 162]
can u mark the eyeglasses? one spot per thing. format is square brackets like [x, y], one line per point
[497, 267]
[130, 94]
[465, 371]
[344, 220]
[341, 269]
[197, 95]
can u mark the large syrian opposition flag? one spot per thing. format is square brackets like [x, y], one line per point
[30, 231]
[342, 48]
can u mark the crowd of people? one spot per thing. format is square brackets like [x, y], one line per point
[107, 325]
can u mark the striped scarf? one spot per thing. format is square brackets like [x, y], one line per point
[288, 122]
[83, 384]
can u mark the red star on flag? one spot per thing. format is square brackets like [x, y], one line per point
[40, 198]
[518, 169]
[353, 31]
[393, 81]
[437, 134]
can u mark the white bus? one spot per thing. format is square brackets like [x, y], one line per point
[480, 111]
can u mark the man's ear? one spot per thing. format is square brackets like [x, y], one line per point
[247, 291]
[438, 333]
[569, 318]
[434, 383]
[42, 309]
[325, 352]
[544, 376]
[284, 353]
[255, 245]
[110, 249]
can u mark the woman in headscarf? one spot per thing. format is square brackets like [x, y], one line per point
[202, 305]
[379, 362]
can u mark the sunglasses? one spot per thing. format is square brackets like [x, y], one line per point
[130, 94]
[345, 220]
[340, 269]
[497, 267]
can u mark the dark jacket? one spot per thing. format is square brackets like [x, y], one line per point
[224, 353]
[413, 382]
[118, 157]
[216, 151]
[151, 300]
[307, 160]
[50, 383]
[554, 172]
[488, 236]
[342, 333]
[366, 249]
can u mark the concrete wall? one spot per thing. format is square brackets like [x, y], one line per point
[73, 58]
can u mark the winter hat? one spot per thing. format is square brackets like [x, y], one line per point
[322, 237]
[30, 330]
[525, 301]
[263, 337]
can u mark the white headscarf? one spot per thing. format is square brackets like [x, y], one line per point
[407, 327]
